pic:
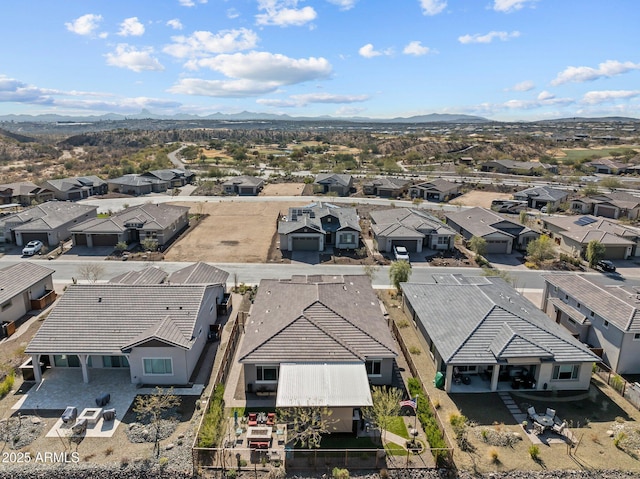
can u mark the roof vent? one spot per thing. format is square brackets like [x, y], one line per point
[99, 300]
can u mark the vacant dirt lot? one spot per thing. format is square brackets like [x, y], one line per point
[282, 189]
[231, 233]
[480, 198]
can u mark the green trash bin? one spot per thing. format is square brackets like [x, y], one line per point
[438, 381]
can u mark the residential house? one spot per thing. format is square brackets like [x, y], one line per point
[435, 190]
[150, 275]
[501, 233]
[385, 187]
[175, 177]
[318, 341]
[608, 166]
[616, 204]
[573, 233]
[161, 222]
[333, 183]
[23, 287]
[49, 222]
[317, 226]
[243, 185]
[156, 331]
[605, 317]
[137, 185]
[518, 167]
[25, 193]
[483, 334]
[412, 228]
[540, 196]
[77, 188]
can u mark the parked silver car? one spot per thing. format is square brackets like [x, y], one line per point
[32, 247]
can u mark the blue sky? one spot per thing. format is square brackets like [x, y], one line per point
[502, 59]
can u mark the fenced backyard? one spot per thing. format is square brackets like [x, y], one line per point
[628, 390]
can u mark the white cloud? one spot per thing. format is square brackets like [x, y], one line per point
[84, 25]
[607, 69]
[175, 24]
[284, 13]
[222, 88]
[268, 67]
[488, 37]
[203, 43]
[190, 3]
[308, 98]
[545, 96]
[344, 4]
[368, 51]
[522, 86]
[432, 7]
[603, 96]
[131, 27]
[416, 48]
[232, 13]
[272, 102]
[127, 56]
[508, 6]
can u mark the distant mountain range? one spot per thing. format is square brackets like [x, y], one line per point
[252, 116]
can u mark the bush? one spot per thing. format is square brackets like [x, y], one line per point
[213, 422]
[7, 384]
[534, 452]
[339, 473]
[493, 455]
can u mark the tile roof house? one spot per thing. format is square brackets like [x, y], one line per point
[49, 222]
[539, 196]
[435, 190]
[501, 233]
[24, 287]
[483, 329]
[412, 228]
[157, 331]
[518, 167]
[318, 340]
[175, 177]
[333, 183]
[25, 193]
[197, 273]
[573, 233]
[316, 226]
[385, 187]
[161, 222]
[137, 185]
[605, 317]
[77, 188]
[243, 185]
[616, 204]
[608, 166]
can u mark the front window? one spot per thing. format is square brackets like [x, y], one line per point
[66, 361]
[566, 372]
[349, 238]
[374, 367]
[158, 366]
[115, 362]
[443, 240]
[266, 373]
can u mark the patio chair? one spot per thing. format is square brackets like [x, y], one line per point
[69, 415]
[531, 412]
[271, 418]
[551, 412]
[253, 419]
[559, 428]
[103, 400]
[109, 414]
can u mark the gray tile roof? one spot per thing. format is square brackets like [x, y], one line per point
[78, 182]
[320, 318]
[19, 277]
[46, 216]
[150, 275]
[481, 222]
[311, 216]
[244, 180]
[387, 182]
[407, 222]
[488, 323]
[438, 184]
[170, 174]
[199, 273]
[333, 178]
[153, 216]
[542, 193]
[135, 180]
[105, 318]
[617, 304]
[584, 228]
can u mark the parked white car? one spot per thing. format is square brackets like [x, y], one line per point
[32, 247]
[401, 253]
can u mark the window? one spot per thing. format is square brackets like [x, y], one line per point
[66, 361]
[606, 324]
[266, 373]
[349, 238]
[443, 240]
[158, 366]
[6, 305]
[115, 362]
[152, 234]
[591, 314]
[566, 372]
[373, 367]
[636, 337]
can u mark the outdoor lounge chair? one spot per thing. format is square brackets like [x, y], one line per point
[103, 400]
[253, 419]
[271, 419]
[531, 411]
[108, 414]
[559, 428]
[551, 412]
[69, 415]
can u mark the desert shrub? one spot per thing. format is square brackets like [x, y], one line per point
[340, 473]
[7, 384]
[414, 350]
[493, 455]
[534, 452]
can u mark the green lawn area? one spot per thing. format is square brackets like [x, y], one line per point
[580, 154]
[397, 426]
[394, 449]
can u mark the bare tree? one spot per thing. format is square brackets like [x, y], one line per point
[91, 272]
[152, 407]
[386, 405]
[306, 425]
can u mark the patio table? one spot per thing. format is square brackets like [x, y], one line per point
[544, 420]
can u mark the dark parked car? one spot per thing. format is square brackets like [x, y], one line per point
[606, 265]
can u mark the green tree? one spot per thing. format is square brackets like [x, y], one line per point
[595, 252]
[611, 183]
[541, 249]
[524, 217]
[478, 245]
[121, 246]
[400, 272]
[149, 244]
[590, 189]
[152, 407]
[386, 405]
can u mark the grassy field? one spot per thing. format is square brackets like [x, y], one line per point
[579, 154]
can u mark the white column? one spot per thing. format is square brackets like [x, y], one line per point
[37, 372]
[495, 374]
[448, 379]
[83, 364]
